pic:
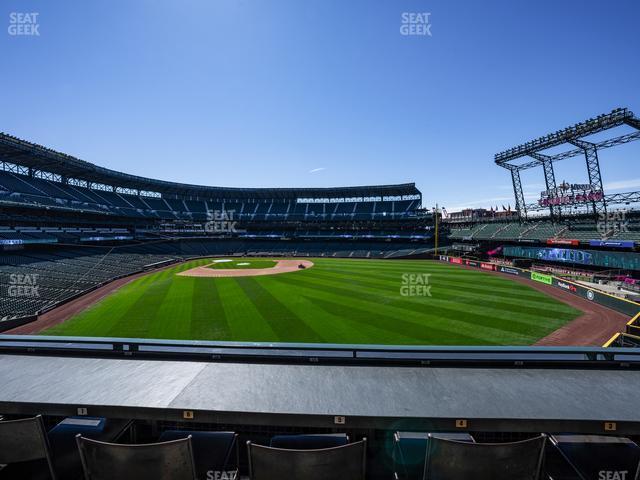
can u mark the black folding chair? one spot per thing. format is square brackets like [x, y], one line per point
[453, 460]
[22, 443]
[212, 451]
[409, 449]
[309, 442]
[594, 456]
[171, 460]
[346, 462]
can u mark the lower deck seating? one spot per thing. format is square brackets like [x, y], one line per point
[34, 282]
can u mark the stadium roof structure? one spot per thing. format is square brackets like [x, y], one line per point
[38, 158]
[531, 151]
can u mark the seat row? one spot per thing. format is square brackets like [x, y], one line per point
[83, 447]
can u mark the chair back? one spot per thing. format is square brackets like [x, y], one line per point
[346, 463]
[24, 440]
[453, 460]
[309, 442]
[171, 460]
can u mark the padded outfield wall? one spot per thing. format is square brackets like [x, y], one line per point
[619, 304]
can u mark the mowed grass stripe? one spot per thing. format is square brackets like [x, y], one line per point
[109, 316]
[282, 320]
[485, 281]
[448, 319]
[244, 320]
[419, 304]
[333, 328]
[384, 303]
[419, 334]
[483, 300]
[338, 301]
[174, 310]
[208, 317]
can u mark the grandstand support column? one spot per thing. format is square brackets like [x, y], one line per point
[549, 180]
[593, 169]
[521, 207]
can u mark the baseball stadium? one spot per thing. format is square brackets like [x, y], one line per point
[329, 240]
[95, 259]
[93, 252]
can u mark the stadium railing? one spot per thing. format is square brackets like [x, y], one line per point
[314, 353]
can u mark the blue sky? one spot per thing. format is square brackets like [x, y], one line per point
[321, 92]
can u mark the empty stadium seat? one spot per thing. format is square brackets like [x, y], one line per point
[212, 451]
[171, 460]
[24, 449]
[64, 448]
[309, 442]
[455, 460]
[409, 452]
[593, 456]
[346, 462]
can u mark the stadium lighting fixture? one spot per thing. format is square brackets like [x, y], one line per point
[572, 135]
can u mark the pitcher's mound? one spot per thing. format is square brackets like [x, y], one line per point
[282, 266]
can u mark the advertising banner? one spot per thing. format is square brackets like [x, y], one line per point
[567, 286]
[542, 278]
[611, 243]
[618, 304]
[510, 270]
[455, 260]
[487, 266]
[562, 241]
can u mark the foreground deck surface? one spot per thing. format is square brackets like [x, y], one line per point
[311, 395]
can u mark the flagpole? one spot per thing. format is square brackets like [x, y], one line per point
[436, 252]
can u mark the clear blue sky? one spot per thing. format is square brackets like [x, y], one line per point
[263, 92]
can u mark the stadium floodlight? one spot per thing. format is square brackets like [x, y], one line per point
[617, 117]
[574, 136]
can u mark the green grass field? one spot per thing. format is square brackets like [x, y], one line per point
[336, 301]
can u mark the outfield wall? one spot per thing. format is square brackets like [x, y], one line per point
[619, 304]
[633, 327]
